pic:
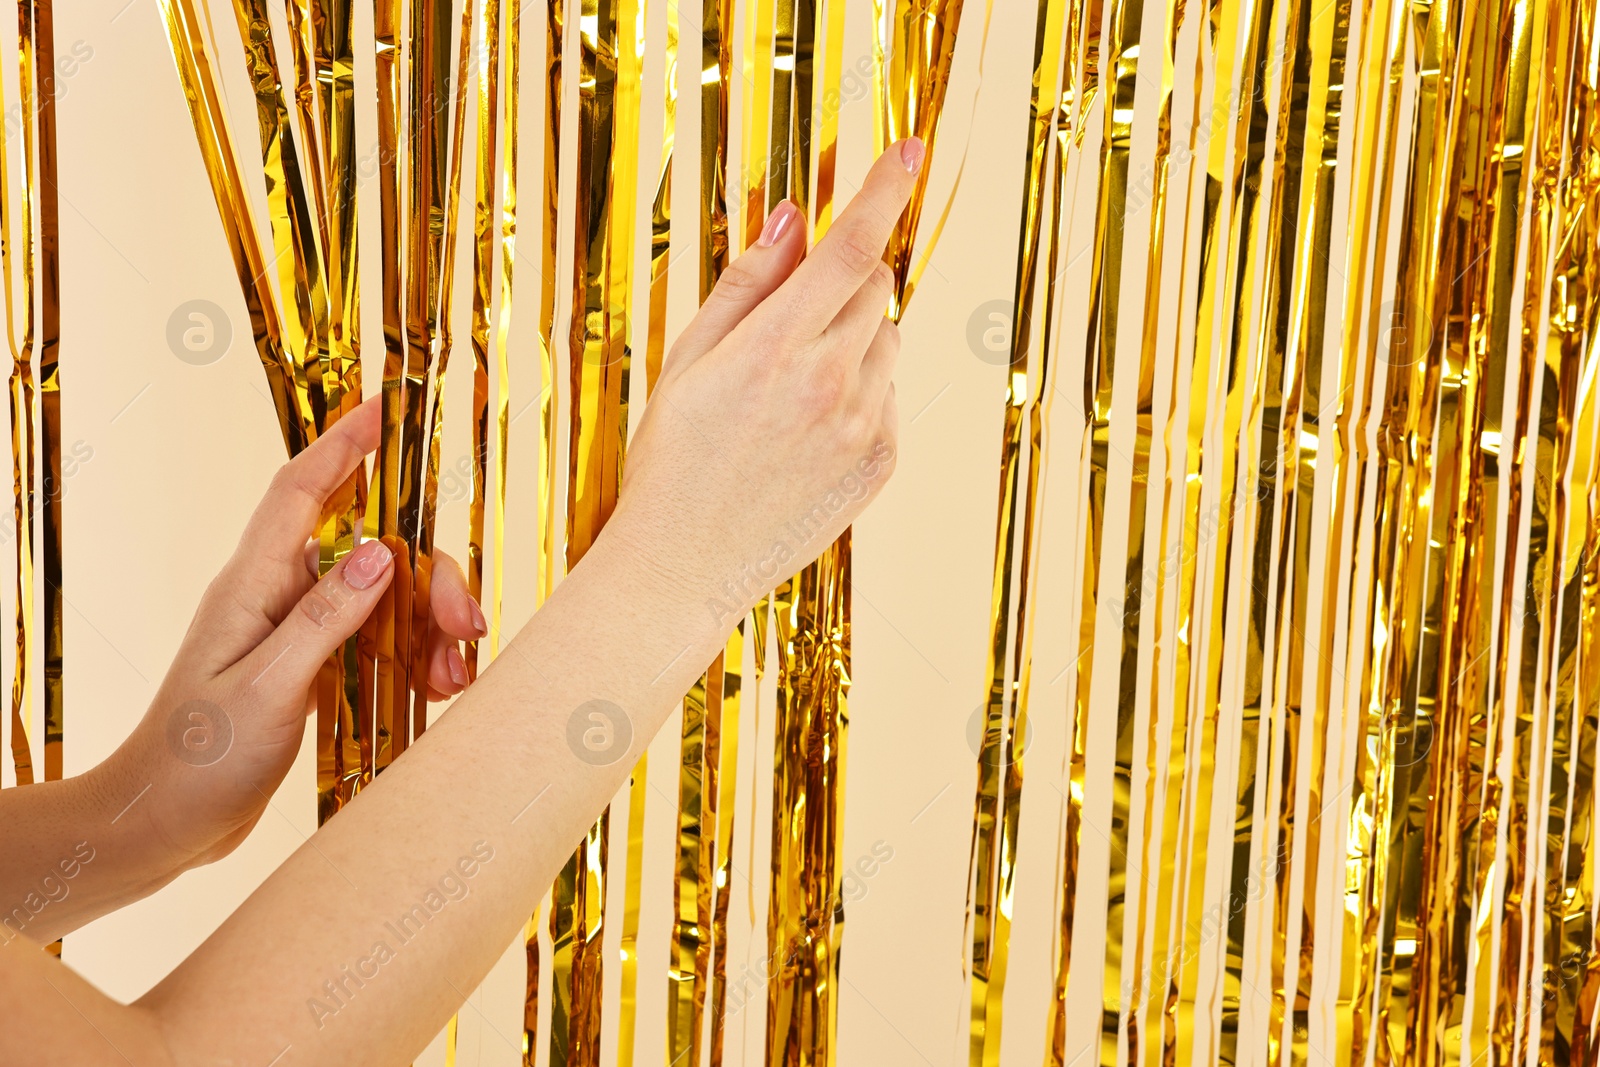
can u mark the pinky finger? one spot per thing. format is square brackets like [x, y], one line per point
[447, 671]
[877, 366]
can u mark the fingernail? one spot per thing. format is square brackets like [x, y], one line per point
[458, 667]
[367, 564]
[478, 622]
[911, 151]
[777, 223]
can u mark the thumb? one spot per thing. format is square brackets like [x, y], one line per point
[745, 283]
[326, 615]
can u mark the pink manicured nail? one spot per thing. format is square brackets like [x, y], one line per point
[478, 622]
[777, 224]
[367, 564]
[458, 667]
[911, 152]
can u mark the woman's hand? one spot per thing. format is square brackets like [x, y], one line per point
[771, 429]
[774, 423]
[228, 719]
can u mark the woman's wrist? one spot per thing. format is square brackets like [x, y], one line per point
[135, 790]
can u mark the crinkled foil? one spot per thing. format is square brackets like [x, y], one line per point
[20, 289]
[600, 357]
[997, 807]
[1346, 767]
[700, 749]
[1331, 690]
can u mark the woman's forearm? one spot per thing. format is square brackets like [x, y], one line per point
[416, 887]
[77, 849]
[771, 427]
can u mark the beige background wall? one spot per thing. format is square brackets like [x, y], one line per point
[179, 453]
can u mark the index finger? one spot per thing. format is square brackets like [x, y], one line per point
[293, 504]
[853, 247]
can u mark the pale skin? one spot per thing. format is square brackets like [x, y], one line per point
[775, 413]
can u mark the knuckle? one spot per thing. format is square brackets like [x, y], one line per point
[883, 279]
[289, 481]
[737, 282]
[857, 253]
[285, 477]
[827, 385]
[861, 428]
[321, 608]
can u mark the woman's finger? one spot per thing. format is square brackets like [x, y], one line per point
[745, 283]
[332, 610]
[877, 366]
[858, 324]
[456, 618]
[294, 503]
[447, 670]
[454, 610]
[847, 255]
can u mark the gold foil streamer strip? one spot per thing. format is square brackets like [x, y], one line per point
[545, 488]
[655, 344]
[23, 404]
[1122, 49]
[308, 29]
[555, 36]
[508, 259]
[716, 66]
[1493, 1014]
[633, 891]
[759, 70]
[303, 300]
[1205, 593]
[999, 773]
[486, 186]
[344, 741]
[327, 383]
[421, 613]
[661, 207]
[913, 49]
[1327, 35]
[227, 186]
[1368, 244]
[811, 617]
[697, 799]
[378, 639]
[1564, 931]
[724, 783]
[1472, 311]
[805, 917]
[689, 952]
[427, 258]
[1145, 981]
[608, 126]
[48, 262]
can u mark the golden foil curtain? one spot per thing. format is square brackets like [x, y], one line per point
[1327, 704]
[694, 938]
[1326, 356]
[611, 52]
